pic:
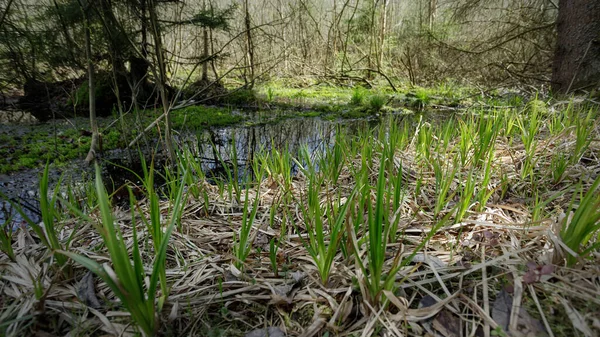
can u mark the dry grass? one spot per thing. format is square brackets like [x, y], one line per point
[494, 271]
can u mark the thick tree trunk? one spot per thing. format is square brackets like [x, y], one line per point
[577, 57]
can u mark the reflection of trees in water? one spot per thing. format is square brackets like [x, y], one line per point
[316, 134]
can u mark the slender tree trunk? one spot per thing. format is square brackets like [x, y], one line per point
[95, 145]
[347, 39]
[205, 54]
[432, 13]
[577, 57]
[330, 52]
[249, 44]
[162, 78]
[382, 33]
[205, 48]
[212, 47]
[372, 38]
[284, 41]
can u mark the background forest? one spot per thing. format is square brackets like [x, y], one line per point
[422, 42]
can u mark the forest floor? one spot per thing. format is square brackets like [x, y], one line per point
[482, 223]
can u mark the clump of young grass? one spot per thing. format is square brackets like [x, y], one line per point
[444, 176]
[323, 237]
[242, 241]
[425, 141]
[558, 166]
[581, 227]
[398, 133]
[487, 132]
[48, 234]
[422, 98]
[447, 134]
[555, 123]
[187, 159]
[376, 103]
[509, 121]
[380, 221]
[277, 164]
[358, 96]
[583, 130]
[465, 141]
[378, 236]
[529, 130]
[273, 248]
[466, 194]
[6, 234]
[270, 94]
[332, 162]
[154, 225]
[233, 184]
[485, 191]
[127, 278]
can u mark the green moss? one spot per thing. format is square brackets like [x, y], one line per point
[198, 117]
[27, 162]
[35, 148]
[111, 139]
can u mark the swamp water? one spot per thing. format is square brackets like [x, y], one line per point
[212, 149]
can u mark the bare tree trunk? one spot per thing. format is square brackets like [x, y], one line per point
[117, 60]
[95, 145]
[347, 39]
[382, 33]
[205, 49]
[212, 52]
[331, 52]
[162, 78]
[432, 13]
[284, 40]
[372, 39]
[205, 54]
[577, 56]
[249, 44]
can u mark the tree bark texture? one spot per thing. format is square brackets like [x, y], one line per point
[577, 56]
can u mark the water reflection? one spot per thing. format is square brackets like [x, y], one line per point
[215, 147]
[211, 147]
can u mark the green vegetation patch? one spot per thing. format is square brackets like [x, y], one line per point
[198, 117]
[35, 149]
